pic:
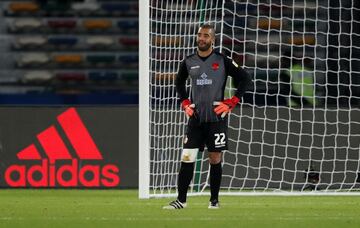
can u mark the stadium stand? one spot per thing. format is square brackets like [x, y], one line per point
[68, 59]
[30, 42]
[53, 48]
[99, 41]
[62, 24]
[129, 42]
[71, 76]
[63, 41]
[30, 24]
[103, 75]
[37, 77]
[23, 7]
[85, 8]
[97, 24]
[100, 60]
[128, 25]
[33, 59]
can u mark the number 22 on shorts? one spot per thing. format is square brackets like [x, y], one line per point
[219, 139]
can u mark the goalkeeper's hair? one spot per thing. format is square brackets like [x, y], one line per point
[209, 26]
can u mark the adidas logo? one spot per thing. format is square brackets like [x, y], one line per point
[48, 174]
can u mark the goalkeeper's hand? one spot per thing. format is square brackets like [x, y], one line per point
[188, 107]
[224, 107]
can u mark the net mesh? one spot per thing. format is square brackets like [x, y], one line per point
[298, 126]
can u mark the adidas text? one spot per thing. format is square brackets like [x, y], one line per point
[101, 176]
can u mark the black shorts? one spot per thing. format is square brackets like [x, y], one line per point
[213, 135]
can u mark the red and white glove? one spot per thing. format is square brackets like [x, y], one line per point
[225, 106]
[188, 107]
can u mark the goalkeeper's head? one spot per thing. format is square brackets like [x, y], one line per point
[205, 37]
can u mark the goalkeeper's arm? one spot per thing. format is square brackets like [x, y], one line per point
[180, 82]
[241, 81]
[241, 78]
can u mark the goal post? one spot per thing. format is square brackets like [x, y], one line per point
[297, 130]
[144, 102]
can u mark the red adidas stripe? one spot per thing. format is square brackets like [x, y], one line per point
[53, 145]
[78, 135]
[29, 153]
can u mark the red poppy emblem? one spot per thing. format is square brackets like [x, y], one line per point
[215, 66]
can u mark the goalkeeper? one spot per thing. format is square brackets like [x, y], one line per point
[207, 111]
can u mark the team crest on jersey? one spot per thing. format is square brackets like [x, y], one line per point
[215, 66]
[204, 80]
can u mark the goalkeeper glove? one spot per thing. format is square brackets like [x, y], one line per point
[225, 106]
[188, 107]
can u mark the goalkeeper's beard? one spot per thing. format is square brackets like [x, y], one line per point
[205, 47]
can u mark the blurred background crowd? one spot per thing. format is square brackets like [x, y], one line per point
[86, 51]
[69, 52]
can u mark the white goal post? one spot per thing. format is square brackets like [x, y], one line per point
[297, 129]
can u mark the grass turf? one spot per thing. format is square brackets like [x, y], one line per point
[122, 208]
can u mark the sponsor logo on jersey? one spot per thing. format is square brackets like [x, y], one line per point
[204, 80]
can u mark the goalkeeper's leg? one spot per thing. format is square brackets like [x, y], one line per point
[185, 175]
[215, 178]
[216, 143]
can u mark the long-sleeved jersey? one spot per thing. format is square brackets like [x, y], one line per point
[208, 79]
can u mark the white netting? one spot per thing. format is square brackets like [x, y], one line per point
[301, 112]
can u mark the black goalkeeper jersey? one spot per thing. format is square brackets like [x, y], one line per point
[208, 79]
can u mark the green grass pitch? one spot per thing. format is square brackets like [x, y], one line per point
[122, 208]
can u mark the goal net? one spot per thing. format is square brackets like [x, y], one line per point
[297, 129]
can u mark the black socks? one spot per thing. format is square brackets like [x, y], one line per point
[215, 180]
[185, 175]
